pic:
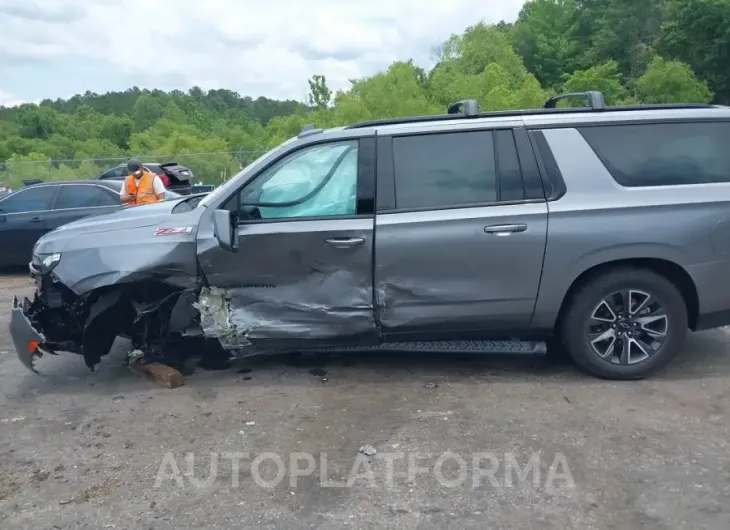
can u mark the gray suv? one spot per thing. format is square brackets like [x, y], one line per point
[602, 230]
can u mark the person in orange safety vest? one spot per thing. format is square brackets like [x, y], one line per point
[141, 186]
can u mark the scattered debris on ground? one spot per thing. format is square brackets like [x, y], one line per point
[368, 450]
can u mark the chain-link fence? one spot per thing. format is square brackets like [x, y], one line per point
[208, 168]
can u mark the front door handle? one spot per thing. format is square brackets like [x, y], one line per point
[344, 242]
[36, 220]
[504, 230]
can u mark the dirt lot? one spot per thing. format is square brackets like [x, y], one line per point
[110, 450]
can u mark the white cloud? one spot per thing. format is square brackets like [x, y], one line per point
[8, 100]
[268, 48]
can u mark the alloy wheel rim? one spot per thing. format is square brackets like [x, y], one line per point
[627, 327]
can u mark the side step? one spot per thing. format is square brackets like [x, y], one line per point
[511, 347]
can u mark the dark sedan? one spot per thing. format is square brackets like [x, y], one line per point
[30, 212]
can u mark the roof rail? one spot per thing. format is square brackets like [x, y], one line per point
[593, 97]
[467, 107]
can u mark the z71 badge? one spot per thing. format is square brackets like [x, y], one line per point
[179, 231]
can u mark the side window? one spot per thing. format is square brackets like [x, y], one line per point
[78, 196]
[666, 154]
[317, 181]
[115, 173]
[30, 200]
[108, 198]
[444, 170]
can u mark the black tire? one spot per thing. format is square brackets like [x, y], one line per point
[588, 296]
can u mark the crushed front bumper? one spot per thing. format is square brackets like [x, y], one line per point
[26, 339]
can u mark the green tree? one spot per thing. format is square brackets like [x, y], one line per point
[604, 77]
[624, 31]
[545, 37]
[147, 110]
[319, 93]
[36, 122]
[698, 33]
[22, 167]
[671, 82]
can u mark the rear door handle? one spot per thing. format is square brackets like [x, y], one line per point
[504, 230]
[36, 220]
[344, 242]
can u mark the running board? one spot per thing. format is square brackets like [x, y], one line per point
[504, 347]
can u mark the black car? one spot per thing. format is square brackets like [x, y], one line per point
[174, 176]
[30, 212]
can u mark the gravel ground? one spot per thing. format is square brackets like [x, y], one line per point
[112, 450]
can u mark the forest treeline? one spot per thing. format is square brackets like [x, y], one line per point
[648, 51]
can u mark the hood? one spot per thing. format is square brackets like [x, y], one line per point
[125, 246]
[89, 230]
[124, 219]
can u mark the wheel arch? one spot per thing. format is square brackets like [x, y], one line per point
[670, 270]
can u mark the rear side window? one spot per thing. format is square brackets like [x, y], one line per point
[115, 173]
[667, 154]
[444, 170]
[30, 200]
[75, 196]
[108, 198]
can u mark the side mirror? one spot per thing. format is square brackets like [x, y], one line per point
[225, 227]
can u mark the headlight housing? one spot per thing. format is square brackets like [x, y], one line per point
[51, 261]
[46, 263]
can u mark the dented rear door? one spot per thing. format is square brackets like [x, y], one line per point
[303, 273]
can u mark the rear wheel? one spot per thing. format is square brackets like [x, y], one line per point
[625, 324]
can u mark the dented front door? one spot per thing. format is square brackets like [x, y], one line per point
[302, 275]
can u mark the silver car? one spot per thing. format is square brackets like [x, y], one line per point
[604, 231]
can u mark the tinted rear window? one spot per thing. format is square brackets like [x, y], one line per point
[667, 154]
[444, 170]
[78, 196]
[175, 168]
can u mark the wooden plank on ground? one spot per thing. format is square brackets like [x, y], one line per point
[165, 375]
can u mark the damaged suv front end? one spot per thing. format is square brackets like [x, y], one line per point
[169, 276]
[132, 273]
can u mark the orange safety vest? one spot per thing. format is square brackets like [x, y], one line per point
[144, 191]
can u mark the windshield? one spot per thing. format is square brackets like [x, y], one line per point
[232, 183]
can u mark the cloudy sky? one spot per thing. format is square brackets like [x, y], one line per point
[57, 48]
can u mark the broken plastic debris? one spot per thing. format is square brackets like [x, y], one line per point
[134, 356]
[368, 450]
[249, 423]
[13, 420]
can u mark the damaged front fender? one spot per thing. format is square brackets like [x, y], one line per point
[87, 269]
[128, 246]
